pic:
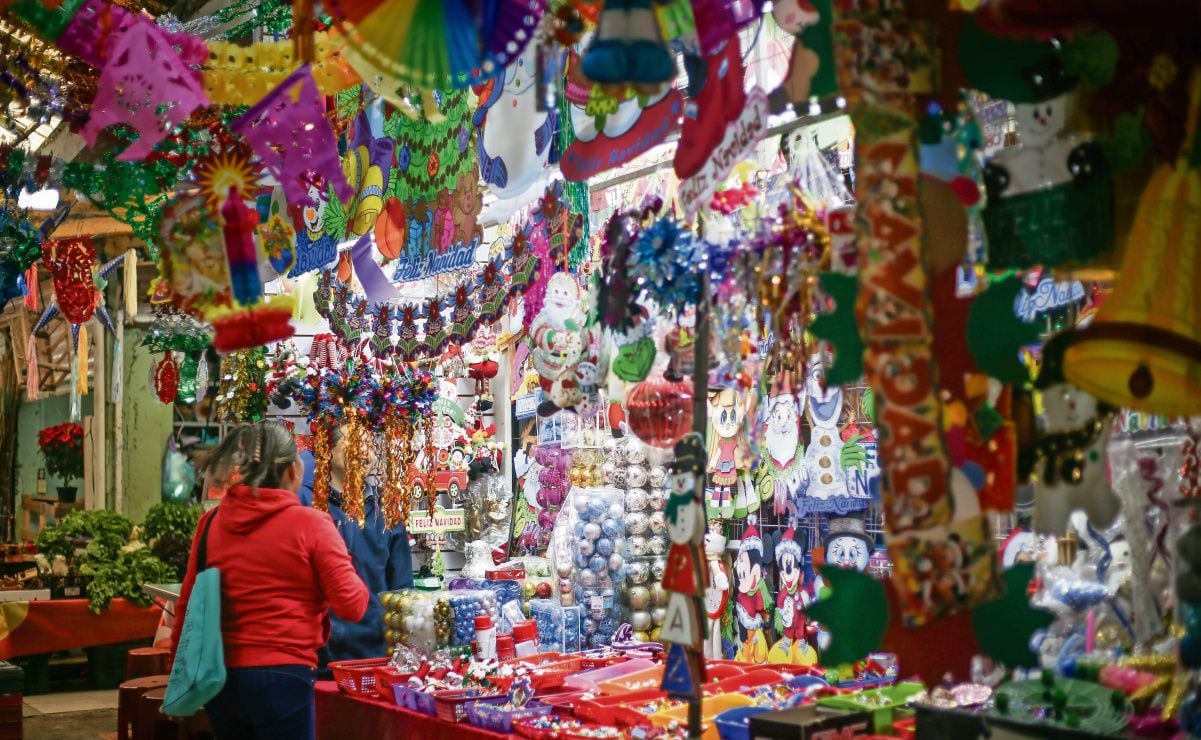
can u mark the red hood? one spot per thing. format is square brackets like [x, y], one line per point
[243, 510]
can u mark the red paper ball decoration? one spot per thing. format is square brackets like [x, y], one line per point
[660, 411]
[166, 379]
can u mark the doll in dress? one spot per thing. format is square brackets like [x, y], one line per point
[730, 489]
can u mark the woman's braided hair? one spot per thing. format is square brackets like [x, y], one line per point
[254, 455]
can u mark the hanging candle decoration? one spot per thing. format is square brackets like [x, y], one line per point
[289, 132]
[166, 379]
[146, 86]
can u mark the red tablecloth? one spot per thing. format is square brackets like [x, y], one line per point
[35, 627]
[342, 717]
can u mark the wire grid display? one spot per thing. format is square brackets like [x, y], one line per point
[814, 526]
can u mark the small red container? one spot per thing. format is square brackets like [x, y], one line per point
[357, 677]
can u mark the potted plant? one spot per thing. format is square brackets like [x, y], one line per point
[62, 449]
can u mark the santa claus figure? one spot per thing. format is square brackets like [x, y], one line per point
[561, 339]
[782, 471]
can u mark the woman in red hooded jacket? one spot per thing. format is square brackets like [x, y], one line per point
[283, 567]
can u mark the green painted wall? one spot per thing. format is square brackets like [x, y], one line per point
[147, 425]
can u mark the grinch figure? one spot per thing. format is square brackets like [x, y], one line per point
[730, 491]
[752, 603]
[796, 632]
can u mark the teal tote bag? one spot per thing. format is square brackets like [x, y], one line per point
[199, 670]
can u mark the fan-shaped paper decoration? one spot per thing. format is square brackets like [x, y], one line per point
[430, 43]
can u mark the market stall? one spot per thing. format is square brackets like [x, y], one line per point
[39, 627]
[666, 367]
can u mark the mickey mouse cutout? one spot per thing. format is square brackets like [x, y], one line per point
[793, 595]
[752, 603]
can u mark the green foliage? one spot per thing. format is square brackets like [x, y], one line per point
[170, 517]
[109, 529]
[124, 577]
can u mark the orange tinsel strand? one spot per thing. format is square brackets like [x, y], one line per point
[356, 464]
[323, 450]
[431, 454]
[396, 474]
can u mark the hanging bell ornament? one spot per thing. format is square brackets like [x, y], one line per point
[1143, 350]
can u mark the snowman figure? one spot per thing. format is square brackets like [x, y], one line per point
[1071, 450]
[717, 591]
[515, 140]
[823, 457]
[1050, 196]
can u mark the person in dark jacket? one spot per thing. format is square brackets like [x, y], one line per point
[382, 558]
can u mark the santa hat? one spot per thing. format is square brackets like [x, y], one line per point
[788, 546]
[848, 526]
[750, 538]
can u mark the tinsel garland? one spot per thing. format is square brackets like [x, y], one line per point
[574, 193]
[323, 449]
[357, 443]
[396, 500]
[242, 395]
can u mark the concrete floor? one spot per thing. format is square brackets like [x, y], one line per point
[74, 715]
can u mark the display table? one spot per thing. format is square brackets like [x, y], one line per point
[341, 716]
[36, 627]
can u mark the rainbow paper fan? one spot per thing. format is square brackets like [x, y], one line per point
[434, 43]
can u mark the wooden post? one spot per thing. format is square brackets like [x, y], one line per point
[95, 498]
[700, 407]
[119, 419]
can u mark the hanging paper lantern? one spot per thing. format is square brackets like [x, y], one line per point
[166, 379]
[70, 263]
[660, 411]
[1143, 350]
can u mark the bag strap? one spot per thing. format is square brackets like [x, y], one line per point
[202, 551]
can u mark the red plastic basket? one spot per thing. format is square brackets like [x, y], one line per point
[385, 676]
[587, 662]
[547, 676]
[451, 706]
[357, 677]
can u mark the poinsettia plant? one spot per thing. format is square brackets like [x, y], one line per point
[62, 448]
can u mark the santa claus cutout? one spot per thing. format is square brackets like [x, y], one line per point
[781, 473]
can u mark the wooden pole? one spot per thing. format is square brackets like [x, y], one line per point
[99, 486]
[119, 419]
[700, 401]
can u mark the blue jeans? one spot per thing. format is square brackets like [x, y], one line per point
[269, 703]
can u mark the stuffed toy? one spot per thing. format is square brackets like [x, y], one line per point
[1050, 196]
[628, 48]
[717, 591]
[752, 602]
[730, 491]
[796, 633]
[1071, 449]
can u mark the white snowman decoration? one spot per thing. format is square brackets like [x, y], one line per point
[516, 137]
[717, 592]
[823, 456]
[1041, 158]
[1071, 465]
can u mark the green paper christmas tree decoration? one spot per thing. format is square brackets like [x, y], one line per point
[840, 328]
[995, 334]
[430, 156]
[1004, 626]
[856, 613]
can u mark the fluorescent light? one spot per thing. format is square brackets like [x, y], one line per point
[42, 200]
